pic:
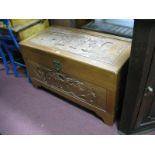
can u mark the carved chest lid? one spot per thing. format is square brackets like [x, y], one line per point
[94, 48]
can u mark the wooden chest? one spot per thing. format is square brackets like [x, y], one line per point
[25, 28]
[28, 27]
[80, 65]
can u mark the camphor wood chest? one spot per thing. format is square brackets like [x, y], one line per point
[80, 65]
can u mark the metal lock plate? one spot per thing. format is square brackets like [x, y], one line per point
[57, 65]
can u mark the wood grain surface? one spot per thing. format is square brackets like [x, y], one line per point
[80, 65]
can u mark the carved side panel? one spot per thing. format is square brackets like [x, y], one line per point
[68, 85]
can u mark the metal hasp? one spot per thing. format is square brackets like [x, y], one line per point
[57, 65]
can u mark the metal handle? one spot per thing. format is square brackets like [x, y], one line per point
[149, 90]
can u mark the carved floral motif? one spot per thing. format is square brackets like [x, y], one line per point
[63, 82]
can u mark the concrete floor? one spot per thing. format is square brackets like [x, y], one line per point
[27, 110]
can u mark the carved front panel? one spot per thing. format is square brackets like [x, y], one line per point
[69, 85]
